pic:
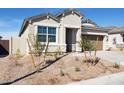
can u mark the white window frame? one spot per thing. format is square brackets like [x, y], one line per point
[51, 43]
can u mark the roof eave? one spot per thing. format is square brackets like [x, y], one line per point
[22, 27]
[75, 11]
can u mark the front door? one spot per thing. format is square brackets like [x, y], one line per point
[70, 39]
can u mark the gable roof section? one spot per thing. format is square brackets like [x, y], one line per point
[42, 16]
[89, 21]
[116, 30]
[69, 11]
[95, 29]
[34, 19]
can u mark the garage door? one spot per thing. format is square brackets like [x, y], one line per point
[93, 39]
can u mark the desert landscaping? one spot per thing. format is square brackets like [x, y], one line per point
[67, 68]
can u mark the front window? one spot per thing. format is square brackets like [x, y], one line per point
[46, 33]
[123, 37]
[52, 34]
[114, 40]
[107, 38]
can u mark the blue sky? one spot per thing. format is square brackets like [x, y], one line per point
[11, 19]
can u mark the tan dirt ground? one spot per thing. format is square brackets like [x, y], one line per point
[66, 70]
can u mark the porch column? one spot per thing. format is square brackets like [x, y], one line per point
[62, 38]
[78, 38]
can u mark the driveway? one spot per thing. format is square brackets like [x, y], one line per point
[115, 57]
[114, 79]
[112, 56]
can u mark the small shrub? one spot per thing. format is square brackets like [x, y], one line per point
[76, 59]
[53, 81]
[77, 69]
[92, 61]
[116, 65]
[55, 56]
[57, 53]
[121, 49]
[109, 49]
[62, 73]
[97, 59]
[18, 53]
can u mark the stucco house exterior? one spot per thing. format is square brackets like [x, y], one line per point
[115, 38]
[64, 30]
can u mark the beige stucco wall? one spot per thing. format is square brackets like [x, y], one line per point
[53, 46]
[18, 43]
[69, 21]
[119, 40]
[29, 30]
[25, 33]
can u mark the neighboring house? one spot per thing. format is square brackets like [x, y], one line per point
[63, 31]
[116, 38]
[0, 37]
[4, 47]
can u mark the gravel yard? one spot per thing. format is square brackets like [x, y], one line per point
[67, 69]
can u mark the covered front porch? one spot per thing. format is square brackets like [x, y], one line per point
[72, 36]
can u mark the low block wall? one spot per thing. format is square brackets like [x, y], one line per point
[18, 43]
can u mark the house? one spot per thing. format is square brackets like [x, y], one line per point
[116, 38]
[63, 30]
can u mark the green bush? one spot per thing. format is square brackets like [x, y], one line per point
[86, 44]
[62, 73]
[18, 53]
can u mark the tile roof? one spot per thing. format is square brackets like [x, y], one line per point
[116, 30]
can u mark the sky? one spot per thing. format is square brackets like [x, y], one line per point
[11, 18]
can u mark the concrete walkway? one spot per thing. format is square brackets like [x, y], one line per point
[113, 79]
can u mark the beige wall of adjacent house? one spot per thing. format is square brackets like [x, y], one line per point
[119, 40]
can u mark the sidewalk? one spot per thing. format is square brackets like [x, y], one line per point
[113, 79]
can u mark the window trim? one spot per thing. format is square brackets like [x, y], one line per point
[123, 38]
[48, 34]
